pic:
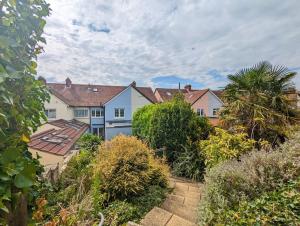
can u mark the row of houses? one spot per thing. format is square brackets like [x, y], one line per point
[108, 110]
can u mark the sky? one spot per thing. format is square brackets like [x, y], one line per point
[160, 43]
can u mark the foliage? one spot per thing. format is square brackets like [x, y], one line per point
[256, 173]
[89, 142]
[223, 145]
[170, 125]
[256, 99]
[21, 28]
[127, 167]
[279, 207]
[190, 163]
[119, 212]
[141, 122]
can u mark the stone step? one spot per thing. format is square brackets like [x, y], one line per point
[161, 217]
[156, 217]
[184, 211]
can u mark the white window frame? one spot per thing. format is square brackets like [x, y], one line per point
[94, 113]
[48, 111]
[118, 111]
[200, 112]
[98, 133]
[81, 109]
[215, 111]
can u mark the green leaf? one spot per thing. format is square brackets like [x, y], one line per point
[21, 181]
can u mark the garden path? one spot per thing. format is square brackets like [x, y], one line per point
[179, 208]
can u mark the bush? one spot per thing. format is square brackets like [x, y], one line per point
[141, 122]
[89, 142]
[127, 167]
[223, 145]
[190, 163]
[279, 207]
[170, 125]
[234, 182]
[119, 212]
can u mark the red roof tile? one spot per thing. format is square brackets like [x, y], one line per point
[80, 95]
[190, 96]
[58, 141]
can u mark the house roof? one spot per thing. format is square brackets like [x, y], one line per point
[85, 95]
[58, 141]
[190, 96]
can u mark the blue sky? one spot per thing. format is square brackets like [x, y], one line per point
[160, 43]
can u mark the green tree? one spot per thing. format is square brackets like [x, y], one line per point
[256, 99]
[21, 103]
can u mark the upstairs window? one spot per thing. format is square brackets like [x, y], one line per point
[200, 111]
[215, 111]
[50, 113]
[119, 112]
[97, 113]
[81, 113]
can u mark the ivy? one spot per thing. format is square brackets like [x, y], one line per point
[21, 101]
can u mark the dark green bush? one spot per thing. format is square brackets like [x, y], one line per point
[259, 172]
[190, 163]
[89, 142]
[170, 125]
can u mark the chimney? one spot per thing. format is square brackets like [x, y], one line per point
[68, 82]
[42, 79]
[133, 84]
[188, 88]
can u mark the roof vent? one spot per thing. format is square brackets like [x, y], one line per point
[95, 90]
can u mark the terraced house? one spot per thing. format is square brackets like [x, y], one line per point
[108, 110]
[206, 102]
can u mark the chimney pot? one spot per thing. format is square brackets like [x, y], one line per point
[188, 87]
[68, 82]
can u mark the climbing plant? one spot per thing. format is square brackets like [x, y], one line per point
[21, 103]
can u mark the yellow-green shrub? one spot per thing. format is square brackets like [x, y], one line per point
[223, 145]
[127, 167]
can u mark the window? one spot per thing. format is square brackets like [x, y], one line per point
[98, 131]
[119, 112]
[97, 113]
[215, 111]
[200, 112]
[50, 113]
[81, 112]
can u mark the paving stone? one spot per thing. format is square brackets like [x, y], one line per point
[191, 201]
[187, 212]
[178, 221]
[156, 217]
[177, 198]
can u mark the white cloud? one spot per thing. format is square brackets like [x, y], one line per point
[188, 38]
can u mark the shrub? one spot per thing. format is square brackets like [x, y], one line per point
[170, 125]
[190, 163]
[223, 145]
[141, 122]
[280, 207]
[127, 167]
[89, 142]
[234, 182]
[119, 212]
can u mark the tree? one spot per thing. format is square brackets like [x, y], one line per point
[21, 103]
[170, 125]
[256, 100]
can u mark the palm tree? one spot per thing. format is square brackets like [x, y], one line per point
[256, 100]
